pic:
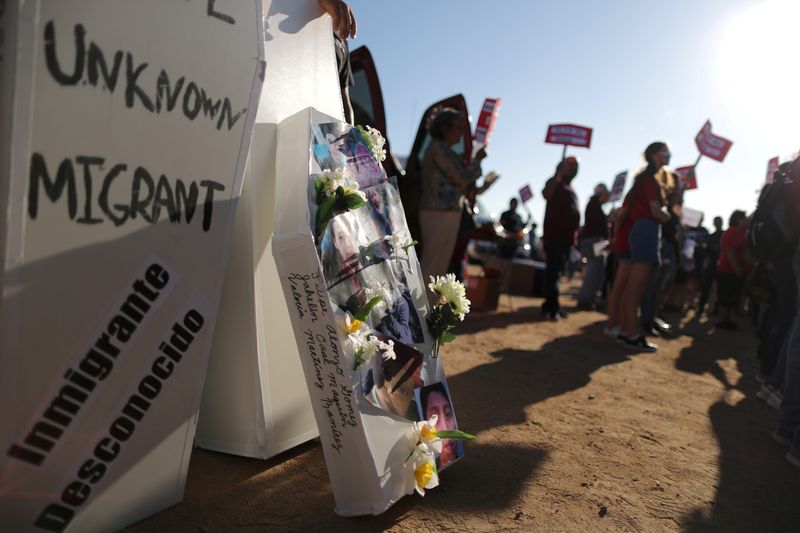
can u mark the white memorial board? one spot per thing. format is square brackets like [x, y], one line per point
[132, 122]
[332, 274]
[255, 402]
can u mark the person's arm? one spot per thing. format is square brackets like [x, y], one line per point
[550, 188]
[344, 22]
[490, 179]
[452, 171]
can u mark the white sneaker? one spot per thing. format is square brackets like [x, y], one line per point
[611, 332]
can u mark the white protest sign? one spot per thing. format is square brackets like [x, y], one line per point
[262, 413]
[618, 187]
[132, 122]
[350, 276]
[691, 217]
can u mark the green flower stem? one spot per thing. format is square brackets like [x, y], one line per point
[454, 434]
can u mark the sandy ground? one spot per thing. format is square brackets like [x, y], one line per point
[573, 434]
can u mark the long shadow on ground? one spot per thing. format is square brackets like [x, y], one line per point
[757, 489]
[292, 492]
[232, 493]
[520, 378]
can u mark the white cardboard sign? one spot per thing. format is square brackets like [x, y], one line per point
[131, 126]
[364, 409]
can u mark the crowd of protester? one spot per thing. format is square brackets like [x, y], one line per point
[642, 258]
[656, 262]
[645, 258]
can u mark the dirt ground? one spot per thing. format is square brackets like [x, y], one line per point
[573, 434]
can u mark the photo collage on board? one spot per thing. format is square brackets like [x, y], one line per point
[359, 261]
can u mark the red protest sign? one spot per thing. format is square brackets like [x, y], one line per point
[618, 187]
[569, 134]
[772, 167]
[525, 193]
[688, 177]
[711, 145]
[485, 125]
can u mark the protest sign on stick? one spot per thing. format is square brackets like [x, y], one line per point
[618, 187]
[569, 135]
[772, 167]
[525, 193]
[688, 177]
[711, 145]
[486, 120]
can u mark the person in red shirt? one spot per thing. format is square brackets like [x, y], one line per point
[637, 246]
[732, 268]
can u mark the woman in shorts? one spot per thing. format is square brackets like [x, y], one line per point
[638, 246]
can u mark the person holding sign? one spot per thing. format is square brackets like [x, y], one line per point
[444, 179]
[561, 221]
[637, 243]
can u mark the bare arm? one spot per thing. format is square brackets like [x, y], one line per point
[658, 212]
[488, 181]
[344, 22]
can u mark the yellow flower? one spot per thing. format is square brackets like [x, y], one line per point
[426, 437]
[353, 326]
[427, 432]
[425, 475]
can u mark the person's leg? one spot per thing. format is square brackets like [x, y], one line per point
[647, 306]
[789, 414]
[556, 259]
[596, 272]
[615, 298]
[439, 233]
[709, 275]
[638, 280]
[593, 276]
[782, 279]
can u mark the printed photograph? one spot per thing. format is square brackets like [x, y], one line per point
[337, 145]
[432, 400]
[390, 384]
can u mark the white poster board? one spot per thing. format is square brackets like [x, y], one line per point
[132, 122]
[691, 217]
[255, 402]
[365, 408]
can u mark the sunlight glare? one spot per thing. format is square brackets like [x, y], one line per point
[757, 59]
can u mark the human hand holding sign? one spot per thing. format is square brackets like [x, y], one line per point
[344, 22]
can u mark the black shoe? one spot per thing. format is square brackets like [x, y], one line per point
[561, 313]
[637, 343]
[730, 325]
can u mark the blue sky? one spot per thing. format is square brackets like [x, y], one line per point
[634, 71]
